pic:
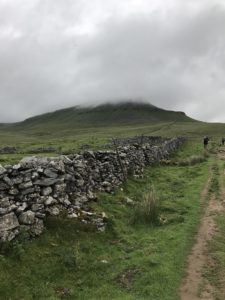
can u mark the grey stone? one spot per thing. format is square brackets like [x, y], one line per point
[66, 202]
[8, 168]
[91, 196]
[4, 202]
[58, 165]
[40, 170]
[83, 199]
[128, 201]
[69, 177]
[8, 209]
[7, 236]
[40, 215]
[37, 228]
[101, 228]
[26, 185]
[17, 180]
[17, 167]
[3, 186]
[39, 199]
[2, 170]
[34, 175]
[35, 196]
[77, 175]
[79, 183]
[27, 178]
[47, 181]
[106, 184]
[28, 191]
[27, 217]
[21, 208]
[79, 165]
[29, 162]
[53, 211]
[12, 234]
[12, 207]
[4, 210]
[13, 191]
[37, 207]
[37, 189]
[8, 180]
[8, 222]
[63, 199]
[50, 201]
[72, 215]
[46, 191]
[66, 159]
[59, 188]
[51, 173]
[89, 153]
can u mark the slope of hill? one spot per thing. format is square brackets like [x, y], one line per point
[69, 129]
[104, 115]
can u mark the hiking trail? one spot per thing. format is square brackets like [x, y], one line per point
[195, 286]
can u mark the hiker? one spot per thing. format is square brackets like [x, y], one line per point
[205, 141]
[223, 140]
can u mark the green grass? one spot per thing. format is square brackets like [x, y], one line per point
[72, 139]
[70, 129]
[215, 184]
[146, 210]
[128, 261]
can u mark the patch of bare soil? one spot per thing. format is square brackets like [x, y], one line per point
[195, 286]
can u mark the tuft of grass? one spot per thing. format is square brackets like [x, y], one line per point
[147, 210]
[214, 185]
[70, 257]
[192, 160]
[188, 161]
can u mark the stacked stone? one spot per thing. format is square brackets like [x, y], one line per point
[150, 140]
[38, 187]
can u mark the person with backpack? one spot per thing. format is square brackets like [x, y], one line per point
[205, 142]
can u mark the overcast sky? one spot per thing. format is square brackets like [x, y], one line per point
[62, 53]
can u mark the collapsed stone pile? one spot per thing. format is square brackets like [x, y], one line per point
[50, 149]
[8, 150]
[37, 187]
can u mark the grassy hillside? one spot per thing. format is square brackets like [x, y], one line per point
[71, 128]
[107, 114]
[128, 261]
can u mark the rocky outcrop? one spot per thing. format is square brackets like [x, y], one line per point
[49, 149]
[38, 187]
[8, 150]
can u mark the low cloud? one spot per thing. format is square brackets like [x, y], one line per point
[53, 56]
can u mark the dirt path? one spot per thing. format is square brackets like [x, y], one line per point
[195, 286]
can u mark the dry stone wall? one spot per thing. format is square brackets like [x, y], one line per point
[38, 187]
